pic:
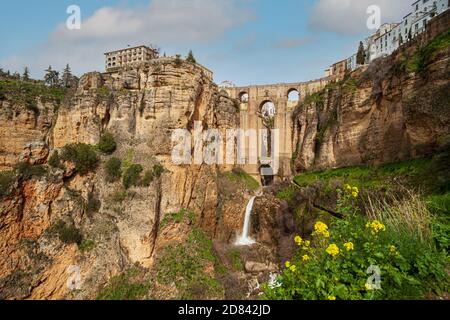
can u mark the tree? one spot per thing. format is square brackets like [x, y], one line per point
[107, 143]
[51, 77]
[26, 74]
[190, 58]
[67, 77]
[361, 55]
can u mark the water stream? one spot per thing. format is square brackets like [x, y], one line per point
[244, 239]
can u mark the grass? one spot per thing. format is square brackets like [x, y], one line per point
[128, 286]
[185, 265]
[236, 259]
[86, 246]
[366, 177]
[239, 175]
[177, 217]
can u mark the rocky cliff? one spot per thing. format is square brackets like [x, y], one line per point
[396, 109]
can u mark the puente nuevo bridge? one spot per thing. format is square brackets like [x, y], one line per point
[281, 99]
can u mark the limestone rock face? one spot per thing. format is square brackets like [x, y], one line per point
[140, 107]
[377, 115]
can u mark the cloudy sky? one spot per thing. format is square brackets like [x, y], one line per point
[244, 41]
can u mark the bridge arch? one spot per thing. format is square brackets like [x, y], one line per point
[268, 109]
[293, 95]
[244, 97]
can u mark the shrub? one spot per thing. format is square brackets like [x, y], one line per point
[86, 246]
[67, 233]
[113, 169]
[148, 178]
[131, 177]
[119, 196]
[107, 143]
[335, 263]
[81, 155]
[27, 171]
[6, 180]
[55, 161]
[93, 204]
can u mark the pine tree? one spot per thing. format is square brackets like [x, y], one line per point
[190, 58]
[51, 77]
[26, 74]
[67, 77]
[361, 55]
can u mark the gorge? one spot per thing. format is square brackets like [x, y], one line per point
[168, 231]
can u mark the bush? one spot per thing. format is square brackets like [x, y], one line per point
[67, 233]
[81, 155]
[93, 204]
[113, 169]
[6, 180]
[107, 143]
[151, 175]
[86, 246]
[55, 161]
[336, 262]
[27, 171]
[119, 196]
[131, 177]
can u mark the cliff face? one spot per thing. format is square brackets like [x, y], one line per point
[140, 107]
[396, 109]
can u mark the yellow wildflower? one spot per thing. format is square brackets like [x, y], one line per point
[355, 189]
[298, 240]
[368, 286]
[349, 246]
[331, 298]
[333, 250]
[305, 258]
[288, 264]
[348, 187]
[293, 268]
[393, 250]
[376, 226]
[355, 194]
[321, 229]
[306, 244]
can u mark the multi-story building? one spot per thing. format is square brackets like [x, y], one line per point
[120, 58]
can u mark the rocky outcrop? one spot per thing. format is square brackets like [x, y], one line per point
[381, 114]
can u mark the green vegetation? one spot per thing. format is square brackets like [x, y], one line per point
[55, 160]
[317, 98]
[83, 156]
[113, 169]
[7, 179]
[131, 177]
[367, 177]
[86, 246]
[177, 217]
[128, 286]
[151, 175]
[119, 196]
[185, 266]
[190, 58]
[239, 175]
[338, 260]
[67, 233]
[423, 56]
[27, 171]
[107, 143]
[27, 93]
[236, 259]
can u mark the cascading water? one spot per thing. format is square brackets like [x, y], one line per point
[244, 239]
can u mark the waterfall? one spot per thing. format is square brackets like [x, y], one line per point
[244, 239]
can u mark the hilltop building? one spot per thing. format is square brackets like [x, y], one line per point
[129, 56]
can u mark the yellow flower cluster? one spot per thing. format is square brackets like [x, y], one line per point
[393, 250]
[321, 229]
[375, 227]
[353, 190]
[305, 258]
[331, 298]
[298, 240]
[333, 250]
[349, 246]
[290, 266]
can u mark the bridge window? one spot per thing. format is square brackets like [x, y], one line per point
[293, 95]
[244, 97]
[268, 109]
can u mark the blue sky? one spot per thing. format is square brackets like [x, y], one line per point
[244, 41]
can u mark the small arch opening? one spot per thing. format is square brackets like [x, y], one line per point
[268, 109]
[293, 95]
[244, 97]
[267, 176]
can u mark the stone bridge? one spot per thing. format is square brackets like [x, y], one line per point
[284, 98]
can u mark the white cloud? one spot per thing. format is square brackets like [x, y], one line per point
[160, 22]
[350, 17]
